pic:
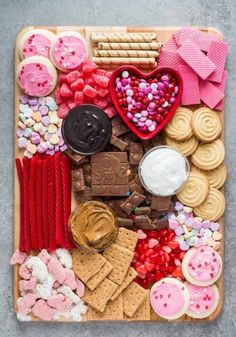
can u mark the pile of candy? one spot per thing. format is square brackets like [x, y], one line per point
[49, 288]
[193, 231]
[39, 127]
[88, 85]
[146, 102]
[157, 255]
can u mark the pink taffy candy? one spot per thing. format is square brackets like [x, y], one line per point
[70, 279]
[28, 285]
[43, 311]
[80, 288]
[44, 256]
[59, 302]
[25, 272]
[25, 303]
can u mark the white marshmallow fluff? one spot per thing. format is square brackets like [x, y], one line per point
[163, 171]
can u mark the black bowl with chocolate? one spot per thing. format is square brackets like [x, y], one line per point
[86, 129]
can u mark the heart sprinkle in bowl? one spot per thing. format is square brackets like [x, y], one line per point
[146, 102]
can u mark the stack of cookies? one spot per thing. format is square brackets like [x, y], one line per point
[114, 49]
[196, 134]
[110, 292]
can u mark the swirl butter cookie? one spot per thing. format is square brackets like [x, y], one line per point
[209, 156]
[195, 190]
[206, 124]
[213, 206]
[179, 127]
[216, 177]
[187, 147]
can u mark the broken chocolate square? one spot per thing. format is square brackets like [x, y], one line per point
[119, 143]
[78, 180]
[118, 126]
[109, 174]
[134, 200]
[135, 153]
[160, 203]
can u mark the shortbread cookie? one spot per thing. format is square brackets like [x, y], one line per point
[203, 300]
[195, 190]
[216, 177]
[213, 206]
[179, 127]
[170, 298]
[187, 147]
[35, 42]
[209, 156]
[206, 124]
[202, 266]
[36, 76]
[68, 51]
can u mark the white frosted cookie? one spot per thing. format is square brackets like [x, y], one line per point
[35, 42]
[68, 51]
[202, 266]
[169, 298]
[203, 300]
[36, 76]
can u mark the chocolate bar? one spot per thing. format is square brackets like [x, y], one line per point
[78, 159]
[78, 180]
[143, 222]
[119, 143]
[142, 210]
[118, 127]
[87, 174]
[115, 205]
[160, 203]
[133, 201]
[84, 195]
[135, 185]
[125, 222]
[161, 223]
[135, 153]
[109, 174]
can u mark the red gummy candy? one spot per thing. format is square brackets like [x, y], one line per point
[79, 97]
[77, 85]
[73, 76]
[63, 110]
[89, 67]
[62, 78]
[89, 91]
[101, 72]
[65, 91]
[102, 81]
[110, 111]
[71, 103]
[90, 81]
[100, 102]
[102, 92]
[58, 98]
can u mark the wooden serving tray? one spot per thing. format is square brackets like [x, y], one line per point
[163, 33]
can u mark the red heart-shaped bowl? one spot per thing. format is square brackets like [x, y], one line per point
[137, 73]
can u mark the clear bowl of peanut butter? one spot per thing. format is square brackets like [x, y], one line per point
[93, 226]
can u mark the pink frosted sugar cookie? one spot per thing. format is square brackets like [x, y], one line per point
[68, 51]
[35, 42]
[202, 266]
[36, 76]
[169, 298]
[203, 300]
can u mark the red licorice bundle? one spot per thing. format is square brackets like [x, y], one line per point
[45, 193]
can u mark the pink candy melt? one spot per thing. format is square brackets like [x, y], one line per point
[202, 299]
[70, 52]
[36, 44]
[35, 79]
[167, 300]
[204, 265]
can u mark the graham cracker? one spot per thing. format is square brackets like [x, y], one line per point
[86, 264]
[131, 274]
[113, 311]
[143, 313]
[127, 239]
[133, 296]
[96, 279]
[120, 258]
[99, 297]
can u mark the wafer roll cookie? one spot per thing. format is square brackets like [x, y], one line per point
[123, 37]
[130, 46]
[114, 66]
[124, 60]
[125, 53]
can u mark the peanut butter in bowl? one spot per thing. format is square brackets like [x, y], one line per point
[93, 226]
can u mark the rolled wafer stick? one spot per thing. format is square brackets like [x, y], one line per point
[114, 66]
[124, 60]
[130, 46]
[123, 37]
[125, 53]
